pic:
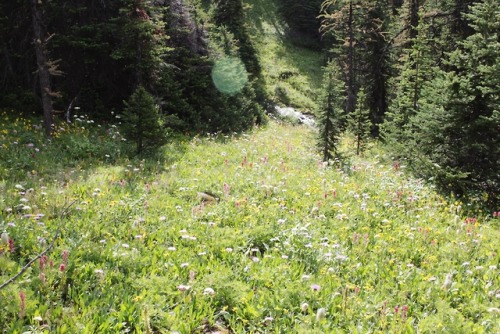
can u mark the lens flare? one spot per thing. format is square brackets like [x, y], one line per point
[229, 75]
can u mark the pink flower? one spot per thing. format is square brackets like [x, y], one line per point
[404, 311]
[62, 267]
[183, 287]
[43, 261]
[65, 255]
[315, 287]
[22, 306]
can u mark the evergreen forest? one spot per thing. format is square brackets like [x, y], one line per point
[151, 183]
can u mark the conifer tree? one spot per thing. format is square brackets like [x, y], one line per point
[142, 122]
[416, 68]
[358, 122]
[474, 106]
[332, 101]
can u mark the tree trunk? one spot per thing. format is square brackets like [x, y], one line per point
[42, 65]
[351, 89]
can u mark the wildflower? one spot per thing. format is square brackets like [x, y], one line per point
[306, 277]
[304, 307]
[448, 282]
[22, 306]
[65, 255]
[209, 291]
[184, 265]
[38, 318]
[320, 314]
[62, 267]
[43, 261]
[5, 238]
[315, 287]
[268, 320]
[404, 311]
[183, 287]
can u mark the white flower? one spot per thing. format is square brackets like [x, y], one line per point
[209, 291]
[184, 265]
[19, 187]
[448, 281]
[320, 314]
[304, 307]
[5, 238]
[268, 319]
[37, 318]
[183, 287]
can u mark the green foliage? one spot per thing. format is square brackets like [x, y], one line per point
[142, 122]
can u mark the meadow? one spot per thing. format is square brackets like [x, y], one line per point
[292, 245]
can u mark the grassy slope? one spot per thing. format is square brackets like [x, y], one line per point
[377, 251]
[279, 56]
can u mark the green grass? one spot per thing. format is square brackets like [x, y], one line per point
[138, 251]
[293, 73]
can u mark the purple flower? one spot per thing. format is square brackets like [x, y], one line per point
[315, 287]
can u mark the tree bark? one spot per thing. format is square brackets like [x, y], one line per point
[40, 44]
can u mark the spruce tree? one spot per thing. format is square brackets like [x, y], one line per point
[475, 102]
[358, 122]
[331, 106]
[142, 122]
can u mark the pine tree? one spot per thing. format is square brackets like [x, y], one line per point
[332, 101]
